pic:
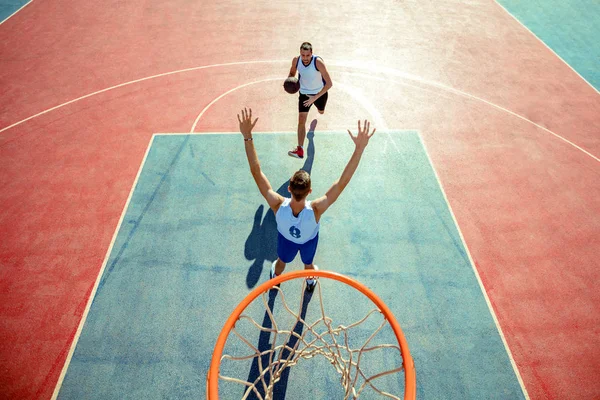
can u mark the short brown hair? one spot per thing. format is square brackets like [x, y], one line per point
[300, 185]
[306, 46]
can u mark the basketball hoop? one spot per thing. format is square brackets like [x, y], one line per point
[326, 340]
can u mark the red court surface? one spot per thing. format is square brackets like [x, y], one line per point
[513, 133]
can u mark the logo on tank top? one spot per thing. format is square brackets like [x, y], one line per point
[295, 232]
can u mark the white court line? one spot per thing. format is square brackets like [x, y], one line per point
[378, 120]
[106, 257]
[481, 286]
[357, 95]
[214, 133]
[548, 47]
[472, 97]
[123, 213]
[141, 80]
[438, 93]
[369, 67]
[7, 18]
[93, 294]
[225, 94]
[340, 131]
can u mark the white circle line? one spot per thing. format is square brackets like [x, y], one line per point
[137, 81]
[370, 68]
[360, 98]
[473, 97]
[225, 94]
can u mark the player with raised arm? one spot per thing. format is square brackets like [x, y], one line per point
[298, 218]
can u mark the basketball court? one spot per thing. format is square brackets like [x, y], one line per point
[132, 227]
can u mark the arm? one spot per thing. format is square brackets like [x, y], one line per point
[273, 198]
[328, 83]
[361, 140]
[293, 69]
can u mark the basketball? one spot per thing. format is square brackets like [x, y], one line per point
[291, 85]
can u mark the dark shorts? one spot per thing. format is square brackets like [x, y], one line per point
[320, 103]
[287, 250]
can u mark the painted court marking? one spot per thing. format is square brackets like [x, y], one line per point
[126, 206]
[472, 97]
[378, 119]
[354, 93]
[545, 45]
[22, 7]
[434, 87]
[98, 279]
[369, 68]
[360, 98]
[137, 81]
[476, 272]
[225, 94]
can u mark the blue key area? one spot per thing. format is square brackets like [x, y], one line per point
[197, 237]
[570, 28]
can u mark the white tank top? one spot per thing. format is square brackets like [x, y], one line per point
[299, 229]
[311, 81]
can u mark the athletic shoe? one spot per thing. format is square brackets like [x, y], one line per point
[311, 282]
[297, 153]
[272, 273]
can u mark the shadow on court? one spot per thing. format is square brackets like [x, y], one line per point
[264, 345]
[261, 244]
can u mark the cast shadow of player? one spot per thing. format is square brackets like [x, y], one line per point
[264, 345]
[261, 244]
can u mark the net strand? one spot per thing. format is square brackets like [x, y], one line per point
[332, 343]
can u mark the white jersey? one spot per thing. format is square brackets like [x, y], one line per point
[311, 80]
[298, 229]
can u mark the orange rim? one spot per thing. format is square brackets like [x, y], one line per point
[212, 378]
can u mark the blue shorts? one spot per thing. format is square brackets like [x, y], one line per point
[287, 250]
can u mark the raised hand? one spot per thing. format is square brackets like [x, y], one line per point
[246, 124]
[362, 138]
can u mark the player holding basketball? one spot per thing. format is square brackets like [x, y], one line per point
[314, 84]
[298, 218]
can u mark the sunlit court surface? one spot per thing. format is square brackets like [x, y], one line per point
[131, 226]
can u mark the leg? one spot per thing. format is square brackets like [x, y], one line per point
[279, 266]
[302, 116]
[298, 152]
[311, 266]
[321, 103]
[302, 128]
[276, 268]
[286, 252]
[307, 253]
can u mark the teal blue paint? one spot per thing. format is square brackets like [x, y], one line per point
[196, 238]
[9, 7]
[570, 28]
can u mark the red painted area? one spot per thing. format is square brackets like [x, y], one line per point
[527, 203]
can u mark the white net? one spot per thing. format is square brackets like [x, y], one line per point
[364, 353]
